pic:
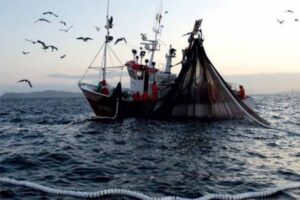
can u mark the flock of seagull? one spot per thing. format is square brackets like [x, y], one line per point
[67, 29]
[53, 48]
[281, 21]
[85, 39]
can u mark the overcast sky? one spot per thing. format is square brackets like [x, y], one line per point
[241, 36]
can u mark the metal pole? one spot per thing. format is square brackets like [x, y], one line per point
[106, 41]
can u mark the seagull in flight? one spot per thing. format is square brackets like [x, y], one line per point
[27, 81]
[50, 13]
[64, 23]
[43, 44]
[280, 21]
[42, 20]
[120, 39]
[289, 11]
[97, 28]
[53, 48]
[63, 56]
[25, 52]
[85, 39]
[33, 42]
[144, 36]
[66, 30]
[109, 23]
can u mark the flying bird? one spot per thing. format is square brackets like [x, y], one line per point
[280, 21]
[50, 13]
[97, 28]
[66, 30]
[144, 36]
[296, 20]
[289, 11]
[25, 52]
[109, 23]
[84, 39]
[27, 81]
[64, 23]
[120, 39]
[63, 56]
[53, 48]
[33, 42]
[42, 20]
[43, 44]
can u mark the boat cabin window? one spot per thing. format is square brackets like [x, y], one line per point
[139, 75]
[132, 74]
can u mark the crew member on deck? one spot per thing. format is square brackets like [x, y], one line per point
[136, 96]
[145, 96]
[99, 86]
[242, 93]
[155, 89]
[102, 87]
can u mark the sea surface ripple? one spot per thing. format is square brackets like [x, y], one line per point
[51, 142]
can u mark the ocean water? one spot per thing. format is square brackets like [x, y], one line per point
[52, 142]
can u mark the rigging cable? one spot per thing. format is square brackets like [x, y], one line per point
[141, 196]
[90, 65]
[176, 64]
[121, 75]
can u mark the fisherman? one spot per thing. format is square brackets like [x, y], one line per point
[102, 87]
[136, 96]
[155, 89]
[145, 96]
[242, 93]
[99, 86]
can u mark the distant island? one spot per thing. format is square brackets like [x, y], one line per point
[42, 94]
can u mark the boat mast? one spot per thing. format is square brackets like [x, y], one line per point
[108, 38]
[153, 45]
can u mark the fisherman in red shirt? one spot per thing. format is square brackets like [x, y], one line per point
[145, 96]
[154, 91]
[242, 93]
[136, 96]
[103, 88]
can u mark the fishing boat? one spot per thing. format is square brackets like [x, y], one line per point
[199, 91]
[141, 98]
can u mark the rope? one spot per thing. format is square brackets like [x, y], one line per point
[115, 55]
[284, 130]
[248, 195]
[91, 63]
[118, 61]
[75, 193]
[176, 64]
[141, 196]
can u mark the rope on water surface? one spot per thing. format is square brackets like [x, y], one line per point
[75, 193]
[285, 130]
[141, 196]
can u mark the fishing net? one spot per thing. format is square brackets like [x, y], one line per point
[200, 91]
